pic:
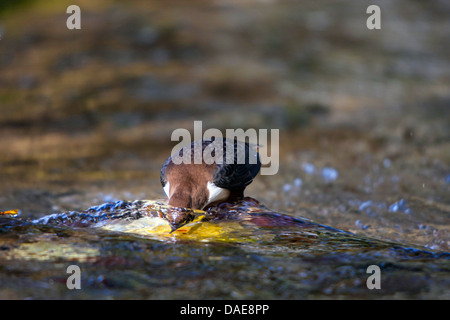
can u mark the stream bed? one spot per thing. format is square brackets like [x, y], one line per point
[125, 250]
[86, 118]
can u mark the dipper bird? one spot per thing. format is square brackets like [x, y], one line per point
[216, 179]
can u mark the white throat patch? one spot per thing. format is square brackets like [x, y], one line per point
[167, 189]
[216, 193]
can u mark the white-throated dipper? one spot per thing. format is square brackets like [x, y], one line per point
[216, 179]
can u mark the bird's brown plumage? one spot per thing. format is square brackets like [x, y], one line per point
[188, 182]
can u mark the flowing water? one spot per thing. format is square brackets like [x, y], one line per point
[364, 154]
[242, 251]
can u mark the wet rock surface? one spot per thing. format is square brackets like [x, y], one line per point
[86, 119]
[125, 249]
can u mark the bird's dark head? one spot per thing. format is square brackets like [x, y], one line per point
[217, 178]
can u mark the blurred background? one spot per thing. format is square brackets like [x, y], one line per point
[364, 115]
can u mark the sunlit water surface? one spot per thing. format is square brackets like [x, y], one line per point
[243, 251]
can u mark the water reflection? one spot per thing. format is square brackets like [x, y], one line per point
[267, 254]
[86, 119]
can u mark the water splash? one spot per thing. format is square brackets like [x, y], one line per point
[399, 206]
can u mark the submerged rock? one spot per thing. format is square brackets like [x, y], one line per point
[121, 210]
